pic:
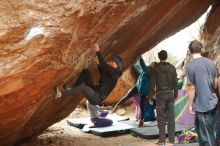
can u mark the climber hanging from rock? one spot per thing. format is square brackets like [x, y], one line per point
[109, 73]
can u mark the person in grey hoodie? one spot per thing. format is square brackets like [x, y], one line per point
[164, 80]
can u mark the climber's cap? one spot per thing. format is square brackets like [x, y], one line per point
[117, 60]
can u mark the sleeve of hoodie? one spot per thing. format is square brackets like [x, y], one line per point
[102, 62]
[146, 80]
[104, 66]
[137, 68]
[152, 83]
[142, 65]
[142, 84]
[175, 83]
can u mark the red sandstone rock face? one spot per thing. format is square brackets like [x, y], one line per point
[44, 42]
[212, 24]
[211, 33]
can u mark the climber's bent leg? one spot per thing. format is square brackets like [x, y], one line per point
[85, 77]
[91, 95]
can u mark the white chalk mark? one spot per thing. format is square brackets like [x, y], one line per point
[33, 32]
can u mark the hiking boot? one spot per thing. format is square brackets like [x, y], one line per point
[171, 143]
[65, 87]
[161, 143]
[141, 123]
[171, 140]
[218, 142]
[57, 92]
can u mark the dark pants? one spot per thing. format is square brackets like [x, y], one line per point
[84, 85]
[131, 93]
[165, 113]
[204, 124]
[217, 126]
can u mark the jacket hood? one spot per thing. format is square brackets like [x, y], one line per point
[163, 66]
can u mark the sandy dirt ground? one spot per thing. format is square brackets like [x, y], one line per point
[61, 134]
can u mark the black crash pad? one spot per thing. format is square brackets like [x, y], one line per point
[153, 132]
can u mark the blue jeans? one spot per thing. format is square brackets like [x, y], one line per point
[204, 124]
[217, 125]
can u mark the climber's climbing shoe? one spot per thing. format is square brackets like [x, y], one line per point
[57, 92]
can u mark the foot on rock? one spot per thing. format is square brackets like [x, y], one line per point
[57, 92]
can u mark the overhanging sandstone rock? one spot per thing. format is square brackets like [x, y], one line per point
[43, 42]
[211, 33]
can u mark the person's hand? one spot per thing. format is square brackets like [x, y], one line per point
[175, 97]
[95, 46]
[141, 58]
[150, 100]
[96, 60]
[191, 110]
[152, 64]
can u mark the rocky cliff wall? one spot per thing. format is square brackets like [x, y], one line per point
[211, 32]
[46, 42]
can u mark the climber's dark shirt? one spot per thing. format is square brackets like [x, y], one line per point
[108, 76]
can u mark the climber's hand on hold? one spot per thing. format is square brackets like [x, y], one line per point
[95, 46]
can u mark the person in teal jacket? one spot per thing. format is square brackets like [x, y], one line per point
[141, 88]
